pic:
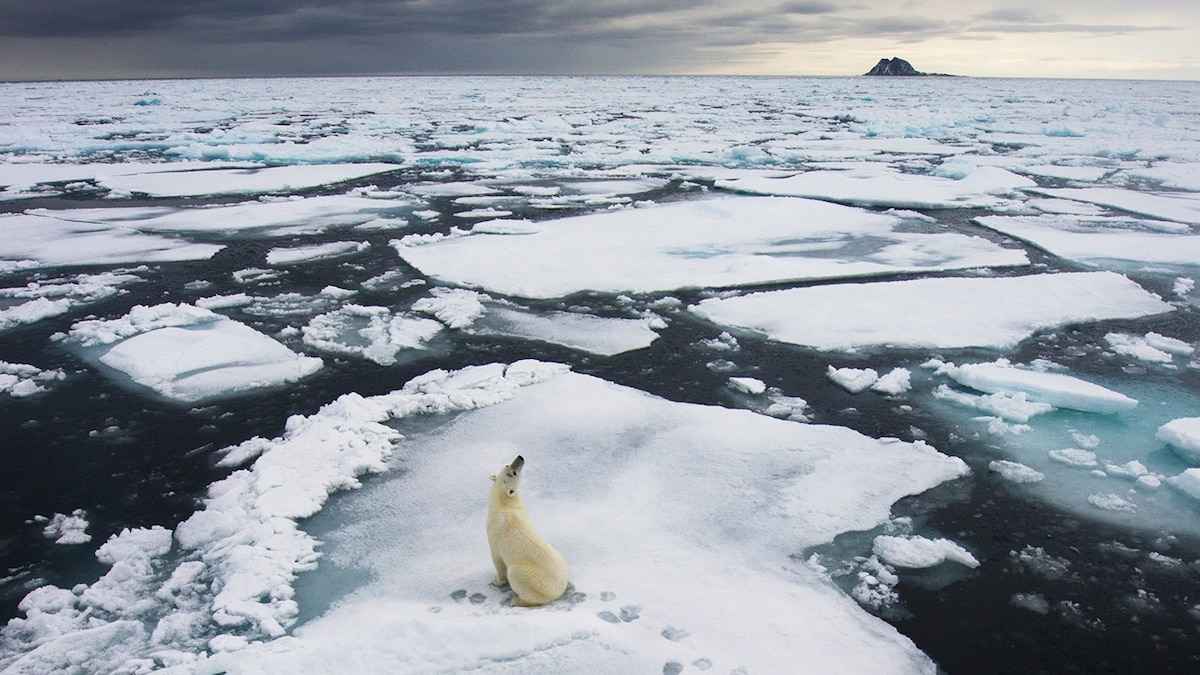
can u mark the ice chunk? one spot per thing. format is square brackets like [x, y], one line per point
[373, 333]
[1010, 406]
[1187, 482]
[941, 312]
[1077, 457]
[457, 308]
[853, 380]
[710, 242]
[895, 382]
[1016, 472]
[302, 254]
[190, 354]
[748, 385]
[920, 552]
[606, 336]
[1183, 435]
[1056, 389]
[68, 529]
[20, 380]
[1111, 502]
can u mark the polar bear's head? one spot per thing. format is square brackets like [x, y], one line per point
[509, 478]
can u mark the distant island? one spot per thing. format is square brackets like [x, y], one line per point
[898, 67]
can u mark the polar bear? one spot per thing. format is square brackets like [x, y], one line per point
[524, 560]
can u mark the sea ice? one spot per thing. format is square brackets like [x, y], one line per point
[1096, 240]
[189, 354]
[605, 336]
[68, 529]
[724, 241]
[272, 217]
[647, 482]
[373, 333]
[1179, 207]
[50, 241]
[853, 380]
[934, 313]
[875, 184]
[920, 552]
[303, 254]
[20, 380]
[1151, 347]
[1057, 389]
[1183, 435]
[188, 181]
[1016, 472]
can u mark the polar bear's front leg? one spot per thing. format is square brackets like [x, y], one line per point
[501, 579]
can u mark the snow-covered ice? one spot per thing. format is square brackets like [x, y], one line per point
[49, 241]
[921, 552]
[725, 241]
[635, 517]
[1056, 389]
[1183, 435]
[994, 312]
[188, 353]
[21, 379]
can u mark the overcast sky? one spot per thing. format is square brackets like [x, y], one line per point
[49, 39]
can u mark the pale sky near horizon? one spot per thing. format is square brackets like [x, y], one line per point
[78, 39]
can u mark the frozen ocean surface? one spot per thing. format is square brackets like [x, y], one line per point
[869, 375]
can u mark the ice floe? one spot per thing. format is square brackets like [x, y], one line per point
[1056, 389]
[1097, 241]
[935, 313]
[225, 598]
[188, 181]
[303, 254]
[189, 354]
[68, 529]
[881, 185]
[726, 241]
[50, 241]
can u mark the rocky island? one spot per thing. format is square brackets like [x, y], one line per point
[896, 67]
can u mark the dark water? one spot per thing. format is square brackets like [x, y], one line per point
[130, 460]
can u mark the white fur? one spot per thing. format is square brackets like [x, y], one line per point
[524, 560]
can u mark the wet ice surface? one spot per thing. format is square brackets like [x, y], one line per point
[786, 307]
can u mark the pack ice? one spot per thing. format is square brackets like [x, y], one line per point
[669, 504]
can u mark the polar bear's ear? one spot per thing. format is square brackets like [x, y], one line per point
[493, 479]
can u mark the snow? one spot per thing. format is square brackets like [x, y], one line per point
[189, 354]
[720, 241]
[934, 313]
[921, 552]
[1183, 435]
[1056, 389]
